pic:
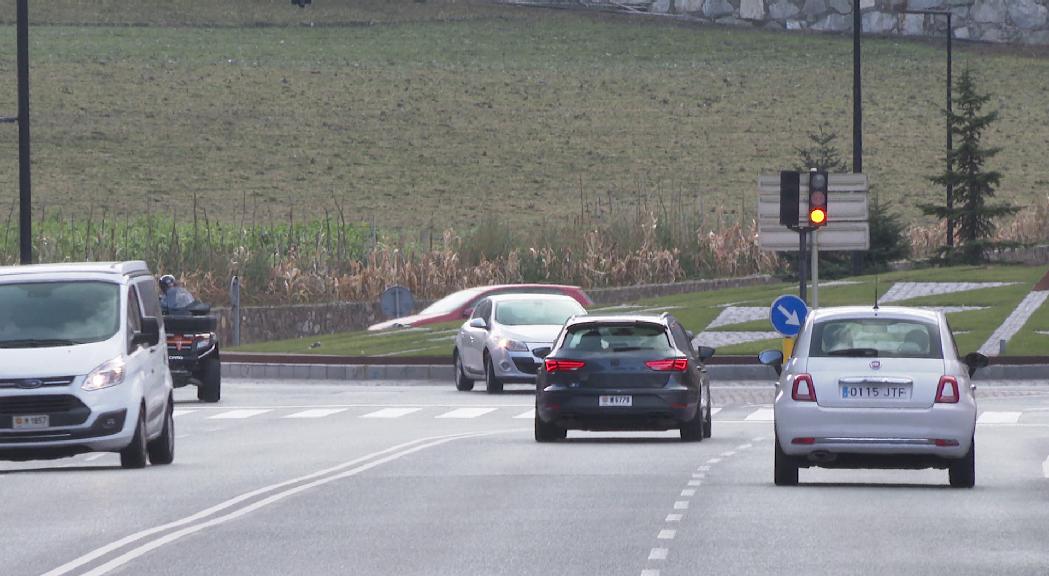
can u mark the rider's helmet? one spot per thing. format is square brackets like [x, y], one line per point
[166, 281]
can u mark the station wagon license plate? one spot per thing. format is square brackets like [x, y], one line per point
[615, 401]
[30, 422]
[875, 392]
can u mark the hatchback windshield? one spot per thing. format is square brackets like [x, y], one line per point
[876, 337]
[616, 337]
[58, 313]
[536, 312]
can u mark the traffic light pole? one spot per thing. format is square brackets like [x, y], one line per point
[802, 275]
[815, 250]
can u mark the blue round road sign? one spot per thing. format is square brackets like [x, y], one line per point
[787, 314]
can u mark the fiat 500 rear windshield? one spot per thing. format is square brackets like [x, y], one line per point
[620, 337]
[876, 338]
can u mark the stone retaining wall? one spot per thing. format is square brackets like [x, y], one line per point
[1007, 21]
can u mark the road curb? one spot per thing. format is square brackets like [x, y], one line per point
[399, 373]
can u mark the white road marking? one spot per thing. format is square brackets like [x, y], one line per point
[650, 573]
[1045, 468]
[94, 457]
[466, 413]
[674, 517]
[391, 413]
[526, 415]
[180, 412]
[999, 418]
[316, 413]
[658, 554]
[702, 468]
[681, 505]
[282, 490]
[744, 446]
[667, 534]
[761, 415]
[699, 474]
[759, 438]
[238, 414]
[688, 492]
[713, 460]
[727, 454]
[714, 411]
[695, 482]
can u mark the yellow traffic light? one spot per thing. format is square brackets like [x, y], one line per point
[817, 216]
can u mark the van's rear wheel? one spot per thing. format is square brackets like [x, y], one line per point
[134, 456]
[210, 387]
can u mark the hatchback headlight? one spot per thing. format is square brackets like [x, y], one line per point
[109, 373]
[512, 345]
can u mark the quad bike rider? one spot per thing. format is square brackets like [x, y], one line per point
[193, 349]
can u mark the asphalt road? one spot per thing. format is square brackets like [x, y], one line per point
[307, 478]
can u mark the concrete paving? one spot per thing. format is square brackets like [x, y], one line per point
[308, 480]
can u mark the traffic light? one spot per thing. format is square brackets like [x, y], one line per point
[817, 199]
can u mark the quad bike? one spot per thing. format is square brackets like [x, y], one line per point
[193, 349]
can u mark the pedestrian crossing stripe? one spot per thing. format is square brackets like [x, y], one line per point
[238, 414]
[999, 417]
[467, 412]
[316, 413]
[391, 413]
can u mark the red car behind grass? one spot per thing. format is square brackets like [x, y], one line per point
[459, 305]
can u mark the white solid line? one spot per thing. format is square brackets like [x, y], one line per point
[466, 413]
[316, 413]
[761, 415]
[999, 418]
[180, 412]
[681, 505]
[658, 554]
[392, 453]
[714, 411]
[237, 414]
[674, 517]
[667, 534]
[391, 413]
[529, 415]
[759, 438]
[695, 482]
[713, 460]
[1045, 468]
[650, 572]
[688, 492]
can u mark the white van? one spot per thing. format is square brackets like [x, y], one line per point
[83, 363]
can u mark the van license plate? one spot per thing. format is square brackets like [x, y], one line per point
[615, 401]
[30, 422]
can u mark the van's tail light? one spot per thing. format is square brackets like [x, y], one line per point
[669, 365]
[552, 365]
[947, 391]
[803, 390]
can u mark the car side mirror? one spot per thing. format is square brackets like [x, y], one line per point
[541, 352]
[479, 323]
[975, 361]
[149, 335]
[705, 352]
[773, 358]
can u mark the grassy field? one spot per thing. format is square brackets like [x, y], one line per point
[697, 310]
[419, 116]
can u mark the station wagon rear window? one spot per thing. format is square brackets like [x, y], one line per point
[876, 338]
[617, 338]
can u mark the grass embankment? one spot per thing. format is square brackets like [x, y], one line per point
[697, 310]
[445, 113]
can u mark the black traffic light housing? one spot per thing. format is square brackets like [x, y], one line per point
[817, 199]
[789, 195]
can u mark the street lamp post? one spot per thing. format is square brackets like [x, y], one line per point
[950, 113]
[25, 211]
[857, 112]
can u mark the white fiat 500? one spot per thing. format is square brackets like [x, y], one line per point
[875, 388]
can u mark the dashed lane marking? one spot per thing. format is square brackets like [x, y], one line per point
[674, 517]
[695, 482]
[681, 505]
[467, 413]
[688, 492]
[1045, 468]
[999, 418]
[650, 572]
[761, 415]
[238, 414]
[316, 413]
[727, 454]
[180, 412]
[391, 412]
[713, 460]
[666, 534]
[526, 415]
[658, 554]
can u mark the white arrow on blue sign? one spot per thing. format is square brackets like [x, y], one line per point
[787, 314]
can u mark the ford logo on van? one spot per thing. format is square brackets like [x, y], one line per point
[30, 383]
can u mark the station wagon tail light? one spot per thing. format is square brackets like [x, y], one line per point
[553, 365]
[947, 391]
[669, 365]
[803, 390]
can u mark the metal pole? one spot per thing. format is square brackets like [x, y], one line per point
[950, 140]
[815, 249]
[25, 198]
[802, 233]
[234, 308]
[857, 95]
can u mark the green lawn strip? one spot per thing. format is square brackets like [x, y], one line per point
[364, 343]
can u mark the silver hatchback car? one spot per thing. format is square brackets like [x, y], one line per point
[498, 343]
[875, 388]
